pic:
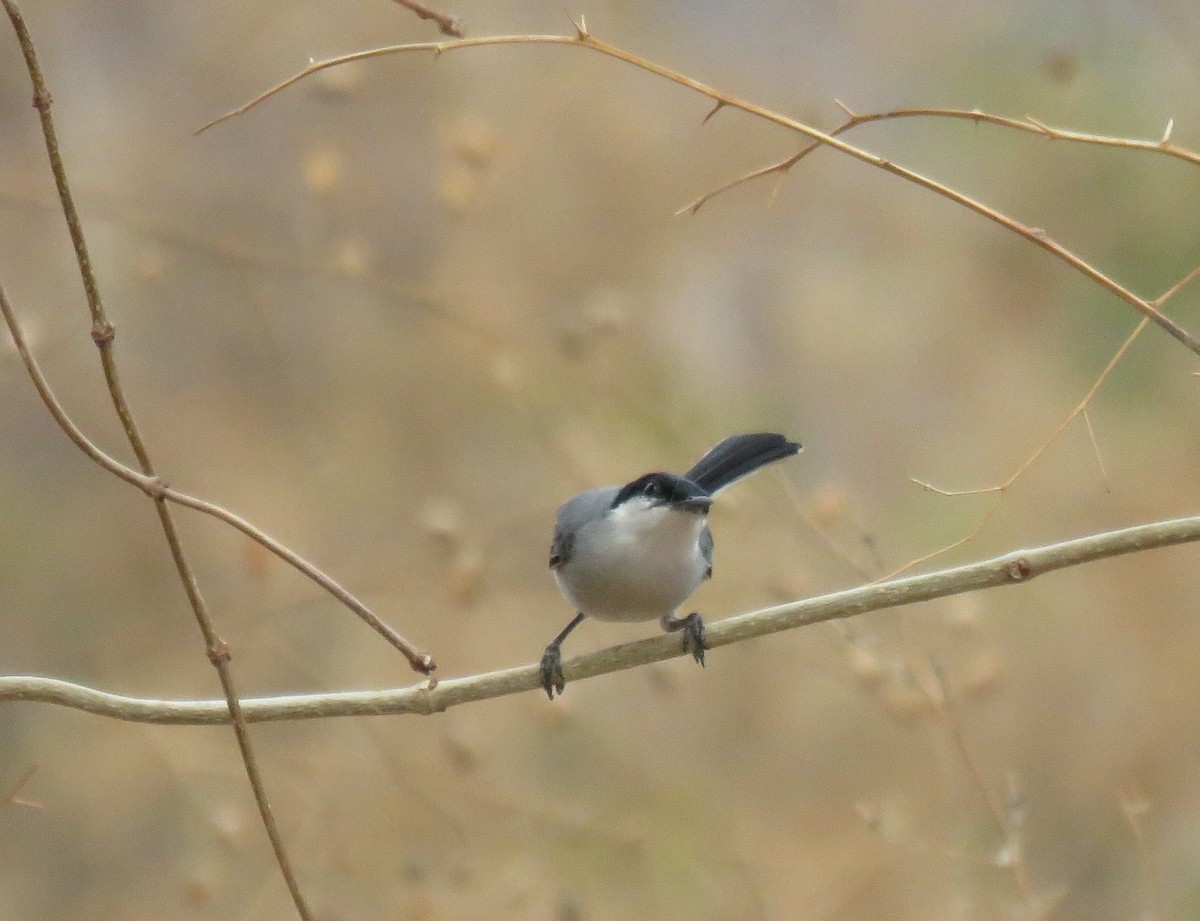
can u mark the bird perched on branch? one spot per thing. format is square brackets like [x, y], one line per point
[638, 551]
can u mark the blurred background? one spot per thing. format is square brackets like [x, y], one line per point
[400, 312]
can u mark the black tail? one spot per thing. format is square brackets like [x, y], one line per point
[737, 456]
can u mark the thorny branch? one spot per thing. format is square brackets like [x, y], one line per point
[1163, 145]
[1080, 410]
[157, 489]
[584, 39]
[432, 697]
[103, 335]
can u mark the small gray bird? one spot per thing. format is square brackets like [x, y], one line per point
[638, 551]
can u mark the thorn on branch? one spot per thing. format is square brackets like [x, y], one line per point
[1042, 127]
[778, 188]
[850, 113]
[715, 109]
[1166, 138]
[580, 24]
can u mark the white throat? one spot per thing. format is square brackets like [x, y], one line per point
[639, 562]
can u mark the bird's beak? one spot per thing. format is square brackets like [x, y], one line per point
[698, 504]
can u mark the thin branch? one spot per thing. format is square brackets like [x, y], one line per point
[1010, 569]
[584, 39]
[1081, 409]
[1030, 124]
[781, 167]
[436, 48]
[1162, 145]
[155, 488]
[999, 489]
[1178, 286]
[954, 544]
[447, 25]
[1081, 406]
[103, 334]
[1087, 421]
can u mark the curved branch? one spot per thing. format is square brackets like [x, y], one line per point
[1163, 145]
[1028, 124]
[103, 334]
[434, 697]
[157, 489]
[584, 39]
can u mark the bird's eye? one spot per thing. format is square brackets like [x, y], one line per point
[652, 489]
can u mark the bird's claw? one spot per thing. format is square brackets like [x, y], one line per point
[551, 669]
[693, 633]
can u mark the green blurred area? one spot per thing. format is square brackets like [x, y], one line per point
[398, 313]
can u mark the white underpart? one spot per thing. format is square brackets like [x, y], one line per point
[643, 561]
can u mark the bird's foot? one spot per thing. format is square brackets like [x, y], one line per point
[693, 633]
[552, 673]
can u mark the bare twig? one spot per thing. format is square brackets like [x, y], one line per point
[427, 698]
[103, 334]
[436, 48]
[1030, 124]
[156, 488]
[1087, 421]
[584, 39]
[781, 167]
[447, 25]
[954, 544]
[1080, 409]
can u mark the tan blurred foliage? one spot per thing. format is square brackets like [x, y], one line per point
[400, 312]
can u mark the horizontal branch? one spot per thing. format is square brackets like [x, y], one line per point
[433, 697]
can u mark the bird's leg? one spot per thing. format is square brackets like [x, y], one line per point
[552, 673]
[693, 632]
